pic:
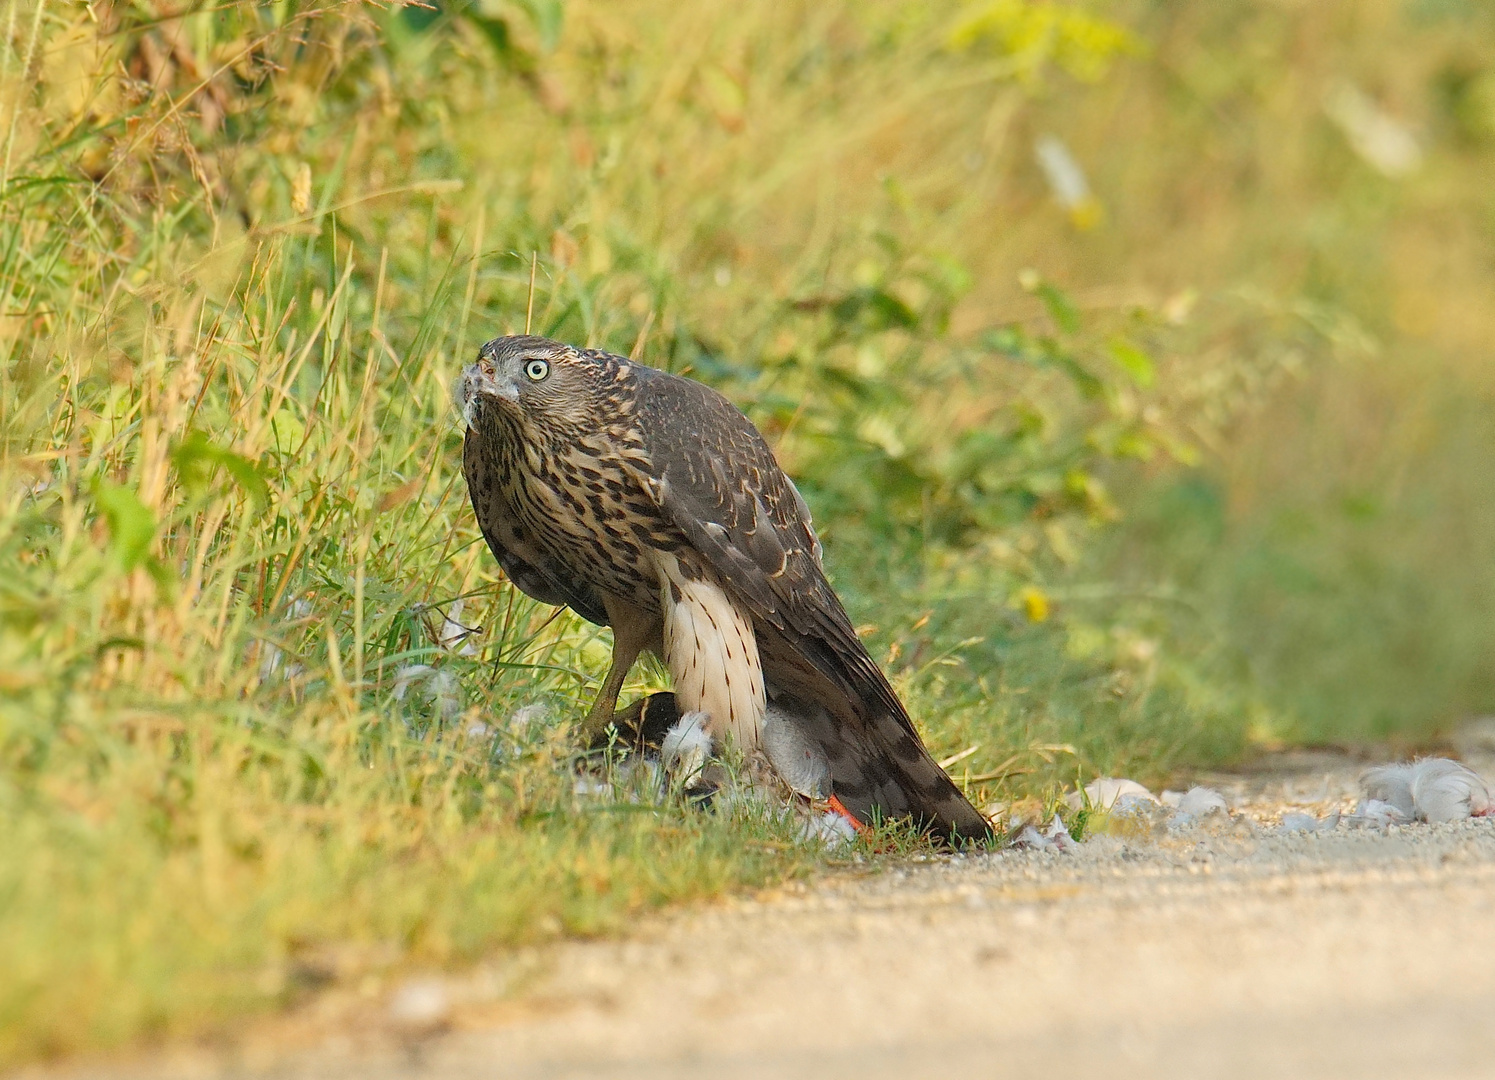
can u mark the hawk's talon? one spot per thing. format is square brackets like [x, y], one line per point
[639, 727]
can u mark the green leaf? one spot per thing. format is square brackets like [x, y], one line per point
[1008, 340]
[1134, 444]
[1060, 308]
[876, 309]
[195, 458]
[1087, 384]
[1133, 361]
[1055, 355]
[132, 526]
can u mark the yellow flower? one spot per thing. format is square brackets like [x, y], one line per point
[1035, 603]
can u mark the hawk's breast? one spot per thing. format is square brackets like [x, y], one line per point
[580, 510]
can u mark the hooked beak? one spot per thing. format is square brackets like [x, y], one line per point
[473, 386]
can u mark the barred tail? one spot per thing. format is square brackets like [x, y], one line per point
[879, 767]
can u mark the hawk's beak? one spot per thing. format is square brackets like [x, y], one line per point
[473, 386]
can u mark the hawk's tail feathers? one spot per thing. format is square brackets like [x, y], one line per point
[895, 775]
[880, 769]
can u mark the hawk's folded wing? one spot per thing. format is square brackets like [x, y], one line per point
[712, 475]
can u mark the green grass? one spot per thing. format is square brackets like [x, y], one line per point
[244, 251]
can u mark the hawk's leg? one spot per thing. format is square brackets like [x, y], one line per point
[633, 631]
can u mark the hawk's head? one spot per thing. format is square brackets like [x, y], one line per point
[531, 381]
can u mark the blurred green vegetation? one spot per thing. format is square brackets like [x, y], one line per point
[1337, 542]
[1132, 358]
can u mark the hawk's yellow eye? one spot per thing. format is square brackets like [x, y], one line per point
[536, 370]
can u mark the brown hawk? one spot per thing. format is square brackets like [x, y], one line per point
[647, 502]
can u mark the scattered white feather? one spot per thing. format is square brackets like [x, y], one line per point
[407, 675]
[1198, 802]
[1055, 838]
[441, 688]
[1111, 793]
[644, 776]
[1133, 805]
[686, 746]
[38, 487]
[1195, 805]
[1171, 799]
[1375, 814]
[1296, 822]
[1391, 784]
[1030, 838]
[528, 716]
[636, 780]
[798, 761]
[1446, 790]
[1058, 835]
[587, 787]
[271, 656]
[1430, 789]
[421, 1006]
[748, 799]
[453, 636]
[829, 828]
[446, 694]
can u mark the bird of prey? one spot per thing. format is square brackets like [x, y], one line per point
[647, 502]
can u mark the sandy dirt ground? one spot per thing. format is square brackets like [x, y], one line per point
[1226, 950]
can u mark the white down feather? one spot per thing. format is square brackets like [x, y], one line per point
[686, 746]
[1430, 789]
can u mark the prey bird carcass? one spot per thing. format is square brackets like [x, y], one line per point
[648, 503]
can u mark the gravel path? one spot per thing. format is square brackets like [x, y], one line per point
[1220, 951]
